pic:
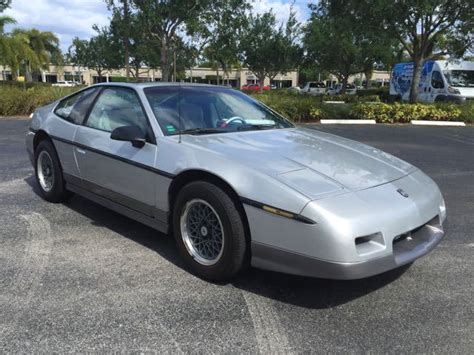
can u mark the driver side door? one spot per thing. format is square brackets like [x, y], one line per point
[116, 170]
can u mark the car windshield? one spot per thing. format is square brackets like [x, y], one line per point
[460, 78]
[206, 110]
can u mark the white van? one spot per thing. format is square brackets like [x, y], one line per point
[440, 80]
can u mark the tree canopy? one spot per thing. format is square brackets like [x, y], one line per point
[266, 49]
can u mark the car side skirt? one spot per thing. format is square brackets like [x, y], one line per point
[148, 215]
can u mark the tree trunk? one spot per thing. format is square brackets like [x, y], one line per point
[368, 77]
[164, 61]
[137, 73]
[345, 78]
[261, 80]
[126, 40]
[217, 76]
[417, 67]
[28, 76]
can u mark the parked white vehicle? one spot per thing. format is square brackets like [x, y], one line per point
[440, 80]
[66, 83]
[314, 88]
[350, 89]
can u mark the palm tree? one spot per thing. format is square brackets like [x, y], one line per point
[4, 48]
[32, 49]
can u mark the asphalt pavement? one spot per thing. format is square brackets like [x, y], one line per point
[76, 277]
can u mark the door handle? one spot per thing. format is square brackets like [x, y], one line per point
[80, 151]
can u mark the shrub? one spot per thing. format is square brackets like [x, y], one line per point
[403, 113]
[382, 93]
[351, 98]
[17, 101]
[467, 112]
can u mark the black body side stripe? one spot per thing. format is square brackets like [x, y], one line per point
[116, 157]
[244, 200]
[260, 205]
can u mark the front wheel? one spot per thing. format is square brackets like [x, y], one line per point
[209, 231]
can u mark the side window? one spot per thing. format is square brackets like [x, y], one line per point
[67, 110]
[118, 107]
[437, 80]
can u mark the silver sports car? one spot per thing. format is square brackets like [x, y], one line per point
[234, 182]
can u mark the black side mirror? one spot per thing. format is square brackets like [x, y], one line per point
[131, 134]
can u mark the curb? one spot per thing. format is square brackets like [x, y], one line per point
[437, 123]
[347, 121]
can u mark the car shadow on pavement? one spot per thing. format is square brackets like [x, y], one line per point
[296, 290]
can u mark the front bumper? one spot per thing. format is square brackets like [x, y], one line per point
[356, 235]
[406, 249]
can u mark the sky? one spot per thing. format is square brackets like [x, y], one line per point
[71, 18]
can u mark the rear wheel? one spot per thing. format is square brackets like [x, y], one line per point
[49, 174]
[209, 231]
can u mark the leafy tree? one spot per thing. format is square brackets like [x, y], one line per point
[142, 48]
[333, 45]
[99, 53]
[423, 27]
[165, 20]
[123, 23]
[287, 54]
[221, 39]
[4, 4]
[266, 49]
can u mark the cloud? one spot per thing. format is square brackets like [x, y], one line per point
[281, 8]
[71, 18]
[66, 19]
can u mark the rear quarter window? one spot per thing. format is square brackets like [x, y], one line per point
[74, 108]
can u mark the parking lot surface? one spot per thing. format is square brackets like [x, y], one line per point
[78, 277]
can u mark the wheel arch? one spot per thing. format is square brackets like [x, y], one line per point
[189, 176]
[40, 136]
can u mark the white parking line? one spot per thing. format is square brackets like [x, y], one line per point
[348, 121]
[437, 123]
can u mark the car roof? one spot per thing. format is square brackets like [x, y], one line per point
[158, 84]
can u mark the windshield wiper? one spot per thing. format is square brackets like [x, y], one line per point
[201, 131]
[256, 126]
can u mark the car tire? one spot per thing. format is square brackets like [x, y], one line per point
[209, 231]
[49, 174]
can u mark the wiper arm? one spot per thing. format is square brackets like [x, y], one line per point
[256, 126]
[200, 131]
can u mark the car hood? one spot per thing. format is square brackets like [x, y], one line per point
[313, 162]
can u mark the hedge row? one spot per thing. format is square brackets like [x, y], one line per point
[404, 113]
[309, 108]
[16, 101]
